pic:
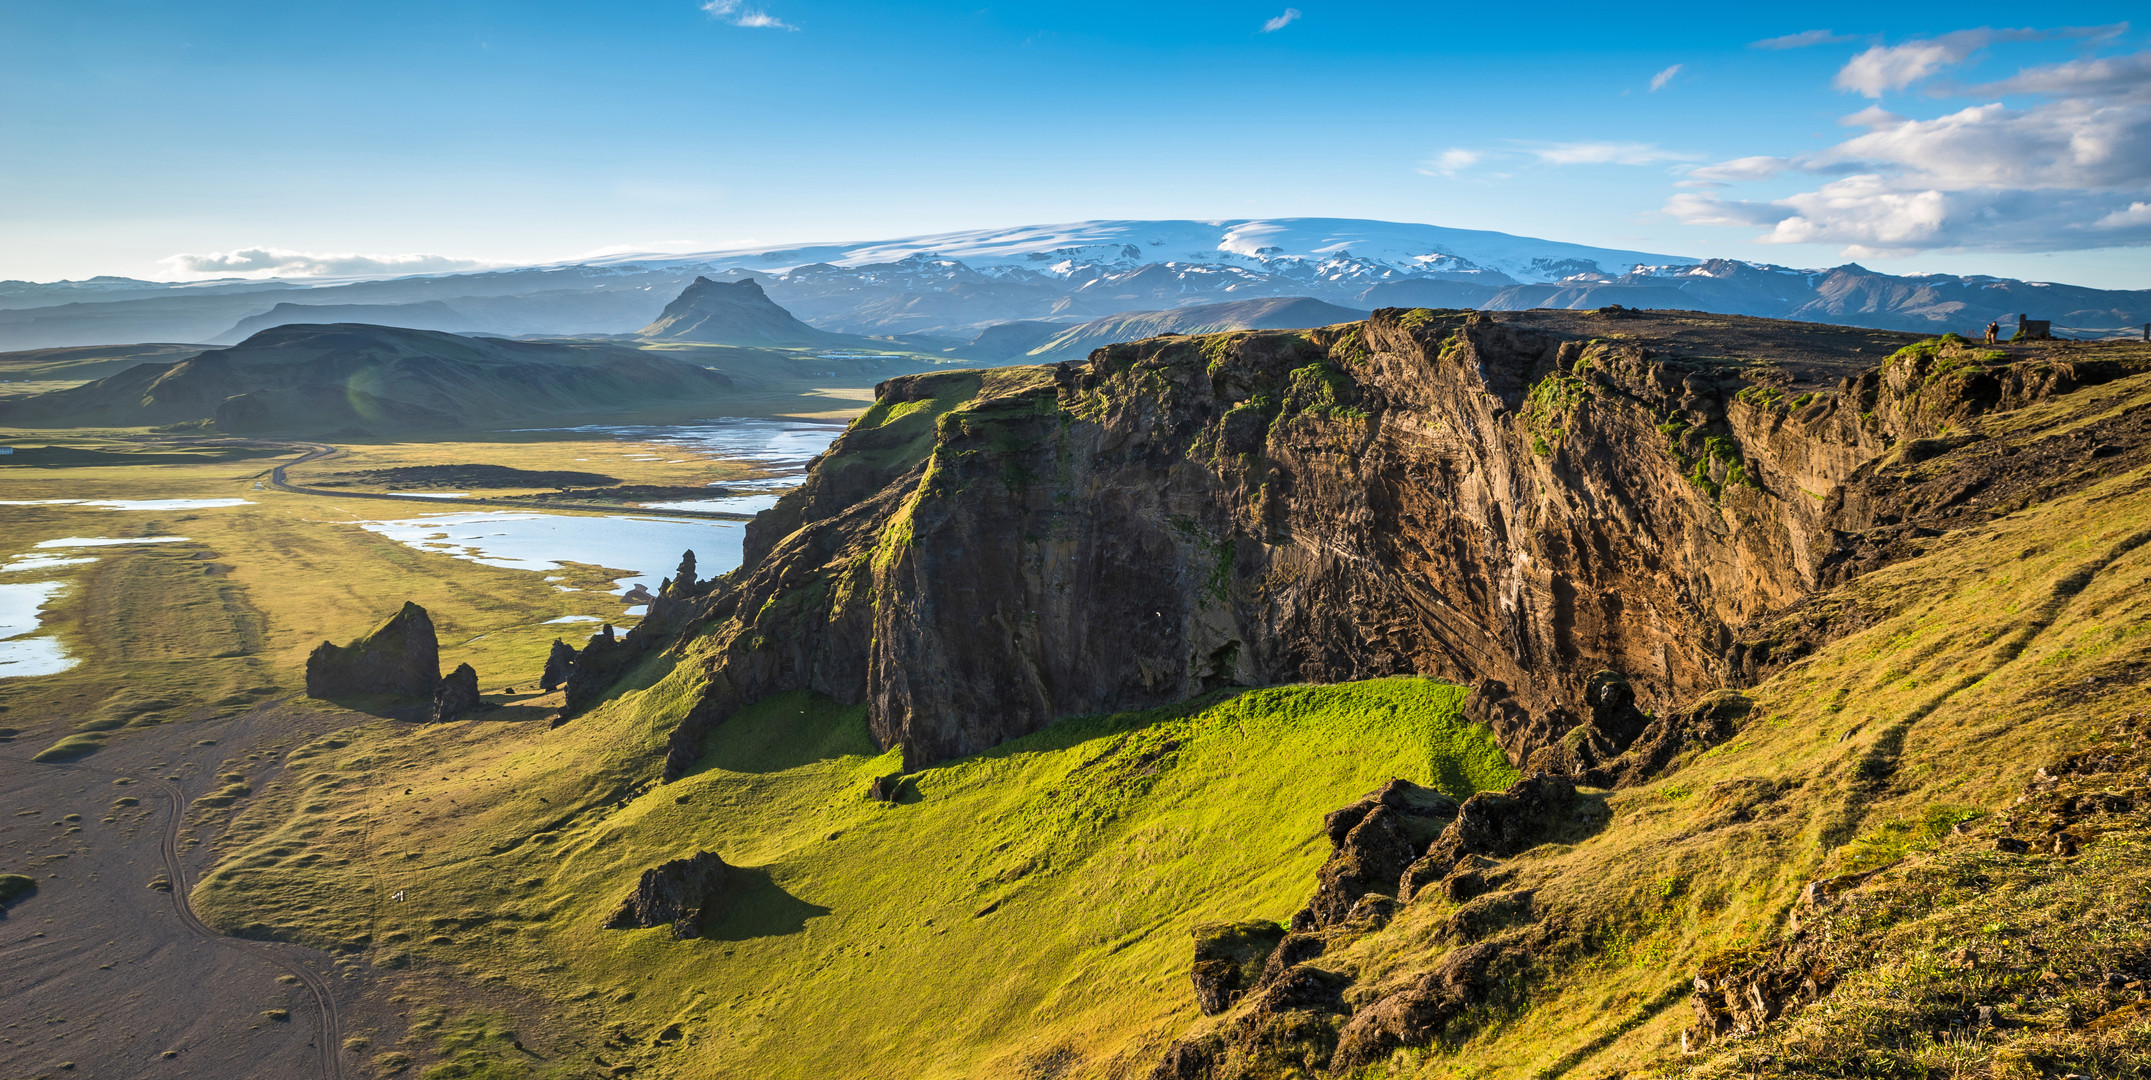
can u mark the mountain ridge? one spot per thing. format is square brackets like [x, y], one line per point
[956, 285]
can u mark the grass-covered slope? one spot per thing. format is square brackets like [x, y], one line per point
[1021, 908]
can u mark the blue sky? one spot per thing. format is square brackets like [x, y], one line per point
[141, 137]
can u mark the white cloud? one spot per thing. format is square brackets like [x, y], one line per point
[1883, 68]
[1747, 168]
[2070, 171]
[738, 13]
[1605, 153]
[1802, 40]
[1288, 17]
[263, 262]
[1873, 116]
[1659, 81]
[1452, 161]
[2138, 215]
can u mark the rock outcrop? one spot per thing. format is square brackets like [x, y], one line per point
[457, 694]
[400, 657]
[559, 664]
[1517, 501]
[679, 894]
[1229, 960]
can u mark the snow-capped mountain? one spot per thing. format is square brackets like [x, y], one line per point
[1330, 250]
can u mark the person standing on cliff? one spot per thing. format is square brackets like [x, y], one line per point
[1994, 330]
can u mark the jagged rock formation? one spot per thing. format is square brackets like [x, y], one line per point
[679, 894]
[401, 657]
[457, 694]
[1515, 500]
[559, 664]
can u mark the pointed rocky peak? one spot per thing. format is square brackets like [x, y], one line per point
[731, 313]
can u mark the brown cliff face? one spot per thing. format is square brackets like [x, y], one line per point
[1517, 500]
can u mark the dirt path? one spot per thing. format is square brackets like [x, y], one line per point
[329, 1034]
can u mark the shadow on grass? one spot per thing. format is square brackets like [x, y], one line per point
[786, 732]
[757, 907]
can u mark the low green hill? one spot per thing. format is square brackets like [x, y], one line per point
[353, 377]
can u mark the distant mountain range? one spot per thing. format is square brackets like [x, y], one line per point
[949, 291]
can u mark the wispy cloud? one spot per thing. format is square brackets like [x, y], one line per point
[1291, 15]
[1659, 81]
[1802, 40]
[1605, 153]
[1883, 68]
[738, 13]
[262, 262]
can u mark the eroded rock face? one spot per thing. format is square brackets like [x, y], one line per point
[679, 894]
[457, 694]
[1515, 500]
[401, 657]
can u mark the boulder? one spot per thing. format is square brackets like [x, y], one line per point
[679, 894]
[457, 694]
[400, 657]
[884, 789]
[559, 664]
[1229, 958]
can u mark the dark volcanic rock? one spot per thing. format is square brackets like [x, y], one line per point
[1373, 839]
[1495, 824]
[457, 694]
[401, 657]
[559, 664]
[680, 893]
[1229, 959]
[600, 661]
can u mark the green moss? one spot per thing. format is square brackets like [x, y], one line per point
[1553, 406]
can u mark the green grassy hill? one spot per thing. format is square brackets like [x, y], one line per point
[1031, 904]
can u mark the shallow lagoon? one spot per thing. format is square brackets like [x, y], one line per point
[22, 655]
[647, 548]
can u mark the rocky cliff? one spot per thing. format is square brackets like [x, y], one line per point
[1513, 500]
